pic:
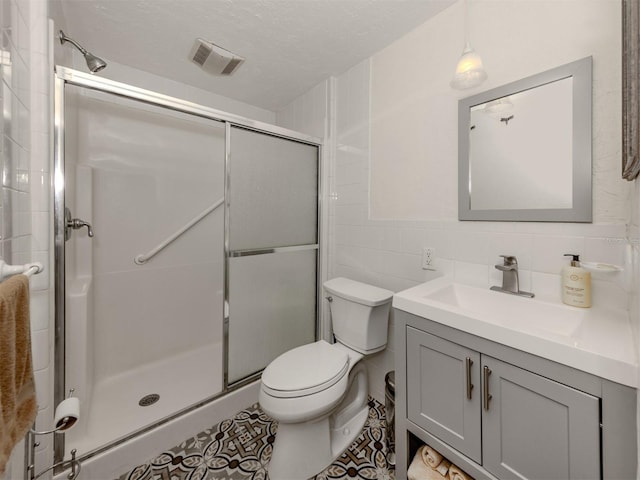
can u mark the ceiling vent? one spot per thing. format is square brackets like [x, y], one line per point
[214, 59]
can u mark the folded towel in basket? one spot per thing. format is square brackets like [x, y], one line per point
[456, 474]
[431, 457]
[18, 406]
[419, 470]
[443, 468]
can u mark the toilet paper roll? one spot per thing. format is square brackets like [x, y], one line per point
[67, 413]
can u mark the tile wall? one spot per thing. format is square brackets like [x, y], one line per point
[16, 147]
[25, 186]
[387, 252]
[41, 234]
[15, 232]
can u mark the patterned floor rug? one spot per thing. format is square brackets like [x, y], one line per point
[240, 448]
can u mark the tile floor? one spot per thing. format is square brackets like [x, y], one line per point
[239, 448]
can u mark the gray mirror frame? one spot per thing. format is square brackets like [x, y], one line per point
[630, 89]
[580, 70]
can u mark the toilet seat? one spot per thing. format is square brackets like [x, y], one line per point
[305, 370]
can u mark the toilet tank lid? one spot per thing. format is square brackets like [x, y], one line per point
[358, 292]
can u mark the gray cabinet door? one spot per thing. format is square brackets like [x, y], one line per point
[443, 391]
[535, 428]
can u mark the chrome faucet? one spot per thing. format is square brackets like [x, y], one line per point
[510, 280]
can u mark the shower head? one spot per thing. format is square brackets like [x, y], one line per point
[94, 63]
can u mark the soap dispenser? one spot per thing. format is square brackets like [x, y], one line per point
[576, 283]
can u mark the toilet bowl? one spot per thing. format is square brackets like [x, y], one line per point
[318, 392]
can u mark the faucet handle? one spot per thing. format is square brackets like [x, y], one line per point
[509, 259]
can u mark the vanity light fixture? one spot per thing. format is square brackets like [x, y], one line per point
[469, 70]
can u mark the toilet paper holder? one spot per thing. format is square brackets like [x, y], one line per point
[73, 474]
[66, 415]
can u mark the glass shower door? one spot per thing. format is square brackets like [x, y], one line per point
[272, 250]
[144, 325]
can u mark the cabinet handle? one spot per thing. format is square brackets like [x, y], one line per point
[486, 371]
[467, 364]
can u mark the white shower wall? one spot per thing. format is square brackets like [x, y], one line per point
[138, 174]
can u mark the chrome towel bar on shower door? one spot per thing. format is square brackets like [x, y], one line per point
[144, 258]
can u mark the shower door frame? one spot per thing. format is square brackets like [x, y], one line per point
[66, 76]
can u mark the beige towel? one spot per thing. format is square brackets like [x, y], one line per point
[418, 470]
[431, 457]
[443, 468]
[456, 474]
[17, 391]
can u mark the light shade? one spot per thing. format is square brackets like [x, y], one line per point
[469, 71]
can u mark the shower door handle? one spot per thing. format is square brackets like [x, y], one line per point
[74, 224]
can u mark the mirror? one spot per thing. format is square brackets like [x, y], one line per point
[524, 149]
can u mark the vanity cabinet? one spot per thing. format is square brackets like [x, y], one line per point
[441, 395]
[512, 421]
[500, 413]
[534, 427]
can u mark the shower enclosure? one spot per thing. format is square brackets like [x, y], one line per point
[186, 246]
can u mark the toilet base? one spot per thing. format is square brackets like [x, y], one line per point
[302, 450]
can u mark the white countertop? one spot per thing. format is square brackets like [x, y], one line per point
[595, 340]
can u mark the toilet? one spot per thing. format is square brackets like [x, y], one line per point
[318, 392]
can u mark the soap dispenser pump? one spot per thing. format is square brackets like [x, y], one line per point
[576, 283]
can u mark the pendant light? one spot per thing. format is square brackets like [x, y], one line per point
[469, 71]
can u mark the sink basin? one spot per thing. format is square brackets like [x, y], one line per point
[596, 340]
[509, 311]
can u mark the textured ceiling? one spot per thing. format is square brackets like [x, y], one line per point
[289, 45]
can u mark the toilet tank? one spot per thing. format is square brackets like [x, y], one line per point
[359, 314]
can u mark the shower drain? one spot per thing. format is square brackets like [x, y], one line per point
[149, 399]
